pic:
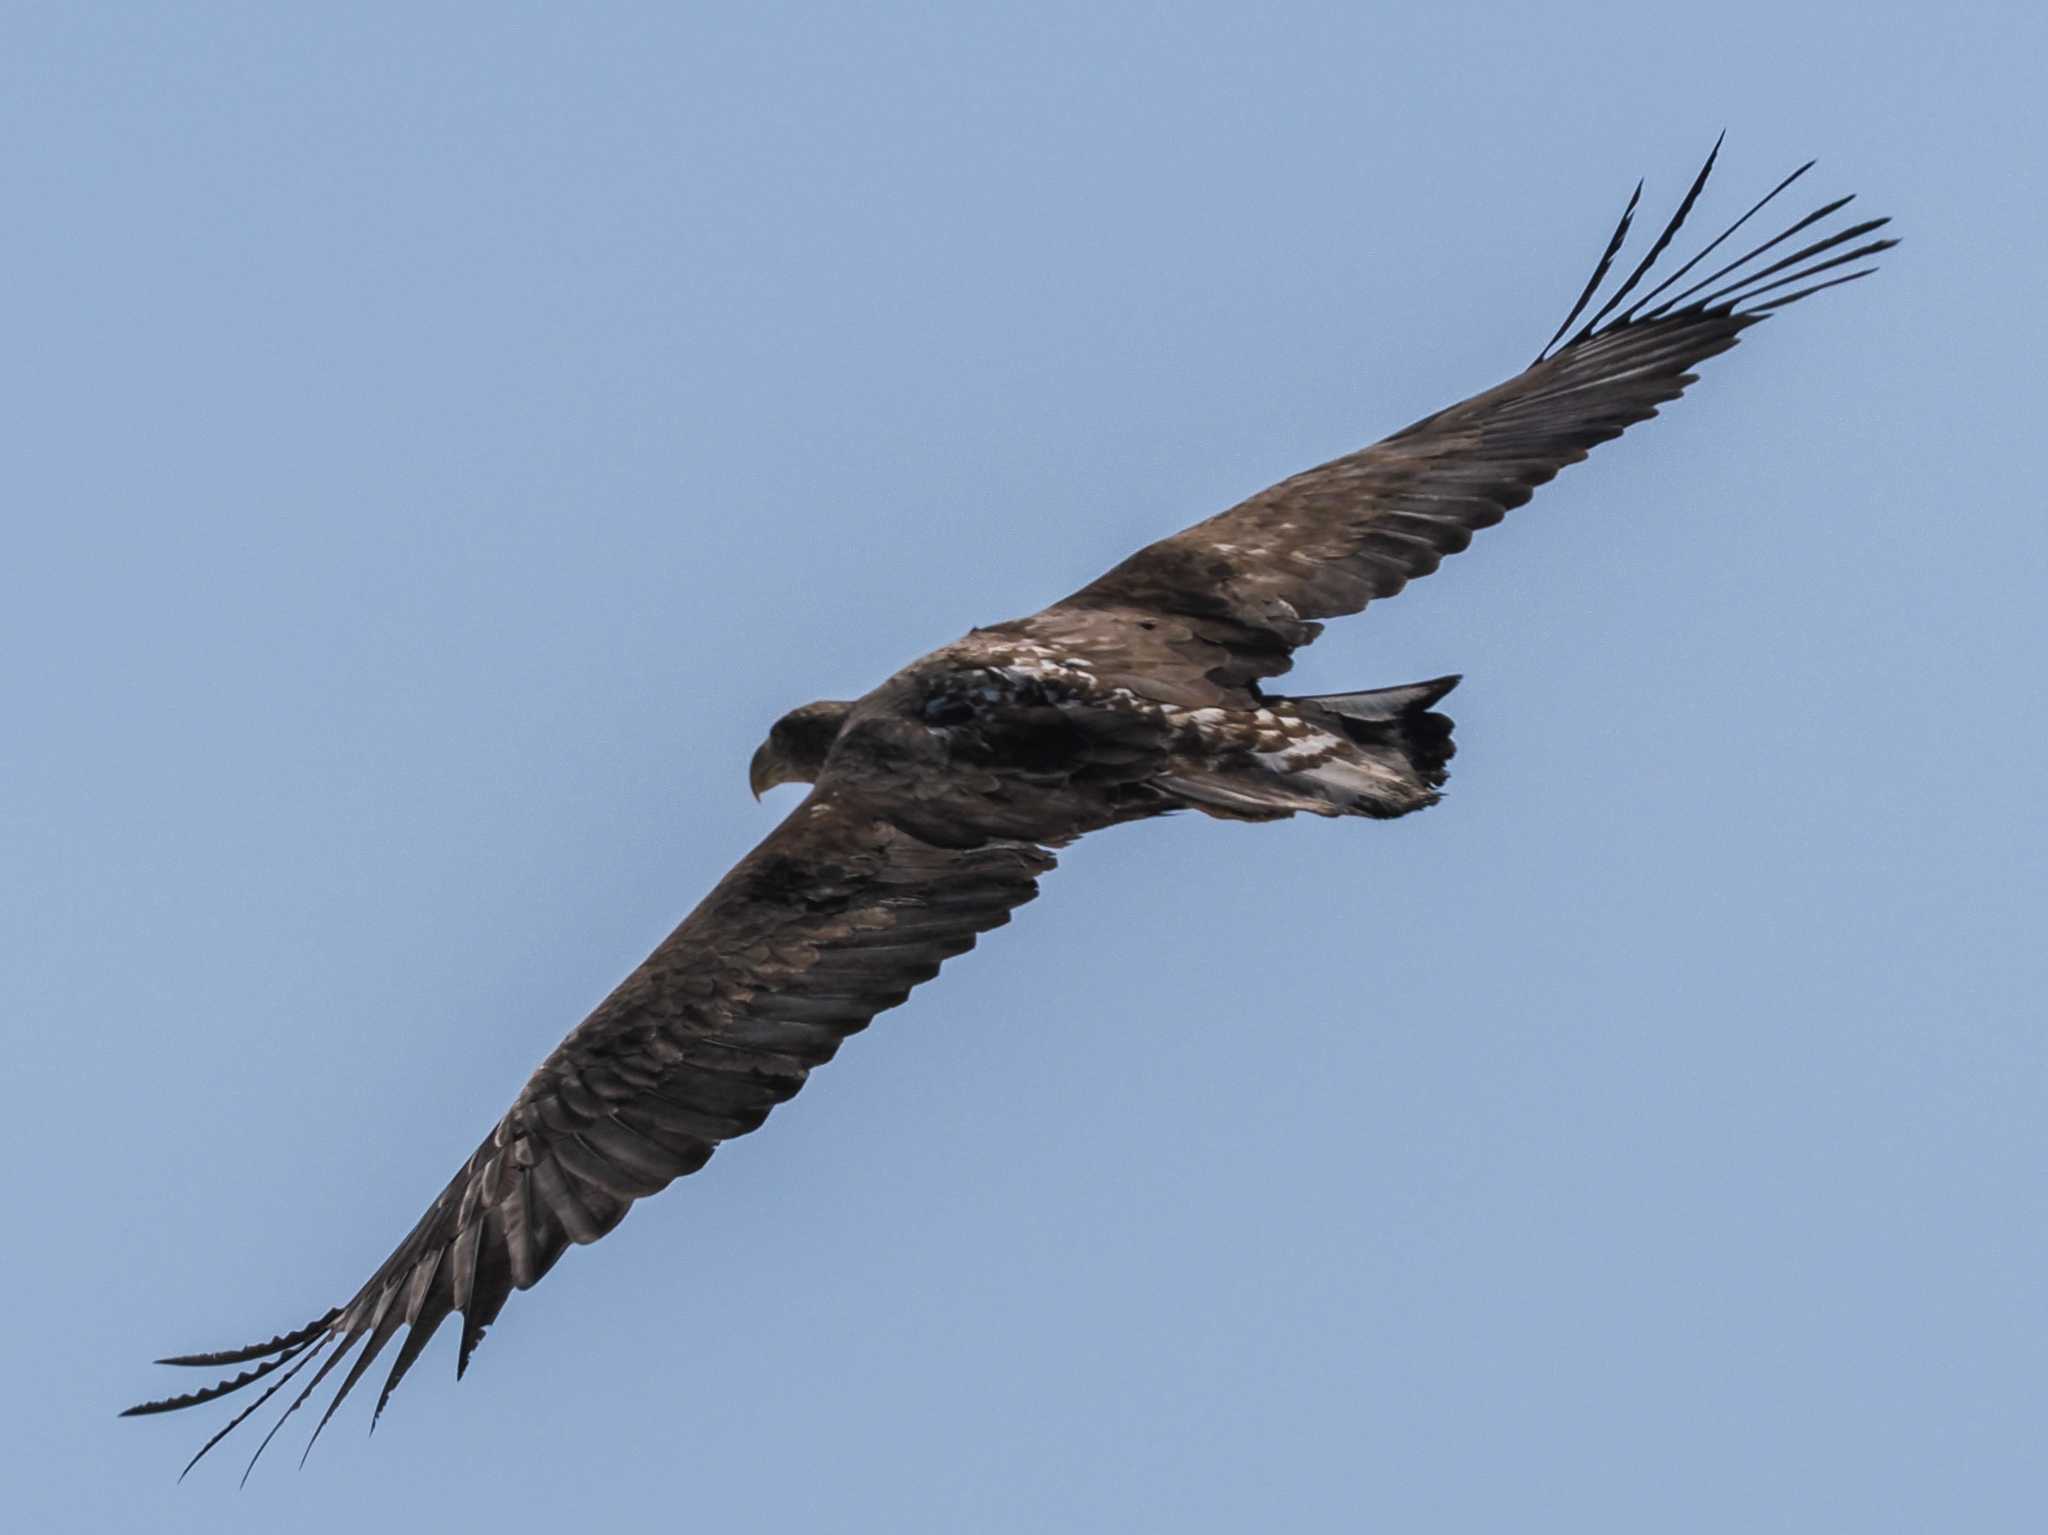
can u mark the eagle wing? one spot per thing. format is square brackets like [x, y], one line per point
[832, 919]
[1326, 542]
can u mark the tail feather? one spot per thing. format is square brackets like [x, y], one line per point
[1379, 705]
[1397, 727]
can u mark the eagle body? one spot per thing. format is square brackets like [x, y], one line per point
[937, 799]
[1050, 727]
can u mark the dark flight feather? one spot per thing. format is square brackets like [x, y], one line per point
[304, 1359]
[1715, 244]
[1658, 246]
[1793, 298]
[217, 1390]
[1600, 268]
[1679, 298]
[1735, 291]
[278, 1344]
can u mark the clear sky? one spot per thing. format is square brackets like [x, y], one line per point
[440, 439]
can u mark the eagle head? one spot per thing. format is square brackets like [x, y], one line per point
[796, 746]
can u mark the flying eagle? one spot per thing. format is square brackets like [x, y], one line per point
[938, 797]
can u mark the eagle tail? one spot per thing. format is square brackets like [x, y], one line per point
[1398, 729]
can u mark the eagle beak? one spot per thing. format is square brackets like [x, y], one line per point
[762, 774]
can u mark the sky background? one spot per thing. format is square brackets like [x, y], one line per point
[441, 439]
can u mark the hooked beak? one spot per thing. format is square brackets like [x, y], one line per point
[764, 772]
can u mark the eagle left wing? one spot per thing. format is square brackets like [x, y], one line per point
[831, 920]
[1327, 541]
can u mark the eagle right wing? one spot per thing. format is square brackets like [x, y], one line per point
[833, 918]
[1327, 541]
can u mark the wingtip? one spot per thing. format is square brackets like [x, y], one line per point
[1735, 301]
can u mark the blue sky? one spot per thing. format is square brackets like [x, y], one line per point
[443, 438]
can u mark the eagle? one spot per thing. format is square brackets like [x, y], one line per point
[937, 800]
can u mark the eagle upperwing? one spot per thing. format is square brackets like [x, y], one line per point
[1325, 542]
[835, 917]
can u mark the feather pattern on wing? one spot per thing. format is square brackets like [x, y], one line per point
[1323, 543]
